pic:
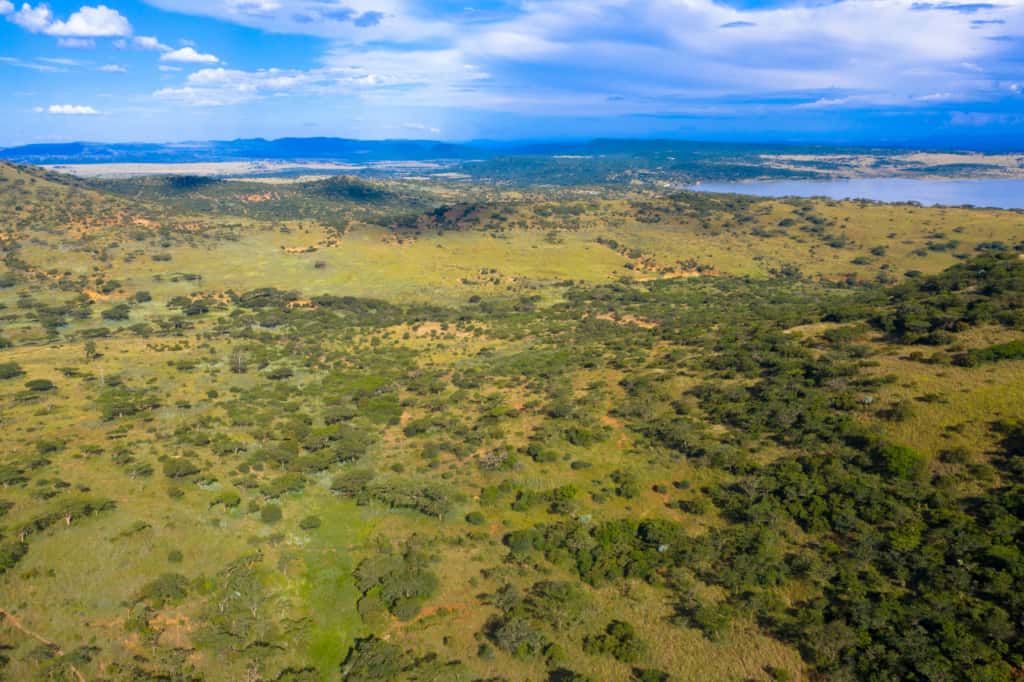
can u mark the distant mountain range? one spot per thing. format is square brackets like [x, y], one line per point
[340, 149]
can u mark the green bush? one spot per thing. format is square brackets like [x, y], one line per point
[10, 370]
[121, 311]
[10, 554]
[372, 659]
[902, 462]
[278, 373]
[179, 468]
[310, 522]
[620, 640]
[168, 588]
[40, 385]
[270, 513]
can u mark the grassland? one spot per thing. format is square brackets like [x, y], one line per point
[409, 430]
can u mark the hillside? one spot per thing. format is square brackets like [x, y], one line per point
[398, 429]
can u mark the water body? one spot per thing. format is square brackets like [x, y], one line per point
[999, 193]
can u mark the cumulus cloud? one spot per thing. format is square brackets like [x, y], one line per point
[220, 86]
[5, 7]
[32, 19]
[150, 43]
[68, 110]
[92, 22]
[376, 72]
[188, 55]
[112, 68]
[87, 22]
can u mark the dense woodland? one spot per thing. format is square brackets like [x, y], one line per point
[562, 439]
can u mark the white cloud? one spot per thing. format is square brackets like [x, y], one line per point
[87, 22]
[5, 7]
[166, 67]
[69, 110]
[370, 73]
[654, 56]
[32, 19]
[92, 22]
[220, 87]
[188, 55]
[150, 43]
[113, 68]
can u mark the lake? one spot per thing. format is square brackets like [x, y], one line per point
[999, 193]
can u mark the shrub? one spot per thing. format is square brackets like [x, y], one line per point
[627, 484]
[713, 621]
[279, 373]
[271, 513]
[179, 468]
[619, 639]
[902, 462]
[650, 675]
[352, 482]
[517, 635]
[373, 659]
[40, 385]
[10, 370]
[121, 311]
[168, 588]
[1014, 350]
[10, 554]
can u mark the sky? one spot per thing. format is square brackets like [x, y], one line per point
[845, 71]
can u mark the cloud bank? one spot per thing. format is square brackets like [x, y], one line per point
[631, 56]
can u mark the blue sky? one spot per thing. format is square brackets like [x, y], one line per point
[864, 71]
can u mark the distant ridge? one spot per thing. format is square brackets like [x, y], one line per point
[343, 149]
[312, 148]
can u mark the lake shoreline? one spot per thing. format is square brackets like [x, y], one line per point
[998, 193]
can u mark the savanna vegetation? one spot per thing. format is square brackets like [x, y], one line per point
[400, 429]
